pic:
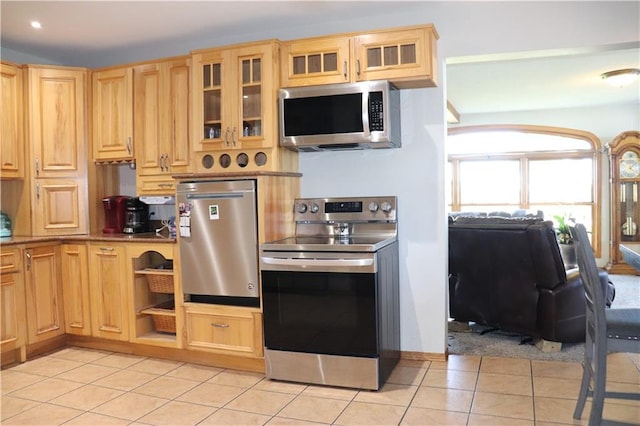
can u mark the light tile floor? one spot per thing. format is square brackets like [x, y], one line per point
[77, 386]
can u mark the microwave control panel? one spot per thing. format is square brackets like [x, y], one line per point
[376, 113]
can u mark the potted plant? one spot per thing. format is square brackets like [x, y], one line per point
[565, 241]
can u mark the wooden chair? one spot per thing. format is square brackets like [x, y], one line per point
[608, 330]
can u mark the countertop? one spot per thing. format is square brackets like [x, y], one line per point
[122, 238]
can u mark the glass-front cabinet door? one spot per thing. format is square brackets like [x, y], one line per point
[235, 97]
[625, 198]
[398, 55]
[256, 87]
[321, 60]
[208, 100]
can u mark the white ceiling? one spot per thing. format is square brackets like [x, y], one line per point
[526, 81]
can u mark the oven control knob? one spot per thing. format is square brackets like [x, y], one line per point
[314, 208]
[373, 207]
[302, 208]
[385, 206]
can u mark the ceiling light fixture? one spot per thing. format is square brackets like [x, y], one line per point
[36, 24]
[621, 77]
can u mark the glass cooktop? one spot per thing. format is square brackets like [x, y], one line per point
[365, 243]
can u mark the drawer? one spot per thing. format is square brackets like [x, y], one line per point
[9, 260]
[235, 333]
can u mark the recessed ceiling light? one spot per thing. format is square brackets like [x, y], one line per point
[36, 24]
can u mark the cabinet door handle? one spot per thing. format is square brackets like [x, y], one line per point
[344, 69]
[37, 190]
[226, 137]
[358, 67]
[37, 167]
[28, 256]
[219, 325]
[163, 162]
[129, 145]
[233, 136]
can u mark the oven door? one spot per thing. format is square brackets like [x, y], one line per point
[320, 303]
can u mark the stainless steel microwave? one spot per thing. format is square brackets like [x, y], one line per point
[340, 116]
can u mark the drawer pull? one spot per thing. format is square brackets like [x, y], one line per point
[106, 248]
[215, 324]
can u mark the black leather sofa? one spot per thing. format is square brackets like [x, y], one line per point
[508, 273]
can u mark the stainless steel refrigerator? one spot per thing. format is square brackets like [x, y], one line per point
[218, 241]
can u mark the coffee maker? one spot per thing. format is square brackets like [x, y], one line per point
[115, 213]
[137, 216]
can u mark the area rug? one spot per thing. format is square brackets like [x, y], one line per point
[481, 341]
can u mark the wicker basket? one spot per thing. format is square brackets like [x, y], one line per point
[164, 316]
[160, 283]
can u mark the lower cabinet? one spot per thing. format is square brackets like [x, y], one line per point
[75, 287]
[43, 291]
[108, 291]
[224, 329]
[13, 330]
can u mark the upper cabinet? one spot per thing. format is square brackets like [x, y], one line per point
[12, 142]
[234, 98]
[57, 121]
[113, 115]
[406, 56]
[321, 60]
[56, 127]
[161, 116]
[234, 110]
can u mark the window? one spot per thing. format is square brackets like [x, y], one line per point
[506, 168]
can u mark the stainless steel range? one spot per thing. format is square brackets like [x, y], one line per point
[330, 294]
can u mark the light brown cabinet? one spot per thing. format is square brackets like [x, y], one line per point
[12, 142]
[624, 154]
[234, 107]
[43, 291]
[13, 319]
[113, 115]
[75, 287]
[56, 120]
[109, 292]
[224, 329]
[406, 56]
[161, 116]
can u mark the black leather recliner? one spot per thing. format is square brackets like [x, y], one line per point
[508, 273]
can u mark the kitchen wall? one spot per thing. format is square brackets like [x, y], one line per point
[415, 173]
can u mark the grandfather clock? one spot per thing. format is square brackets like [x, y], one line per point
[624, 152]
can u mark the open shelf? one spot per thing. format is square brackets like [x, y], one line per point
[154, 291]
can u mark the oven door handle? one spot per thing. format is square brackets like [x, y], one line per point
[317, 262]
